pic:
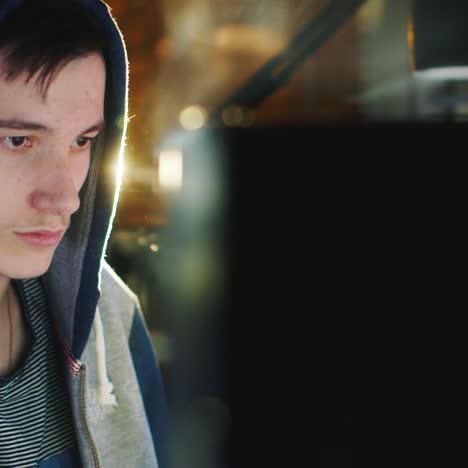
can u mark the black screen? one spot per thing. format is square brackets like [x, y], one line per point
[339, 331]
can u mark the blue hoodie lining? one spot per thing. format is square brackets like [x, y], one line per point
[88, 294]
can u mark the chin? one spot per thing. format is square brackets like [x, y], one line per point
[27, 268]
[31, 273]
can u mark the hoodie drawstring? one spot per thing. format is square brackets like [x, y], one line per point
[105, 387]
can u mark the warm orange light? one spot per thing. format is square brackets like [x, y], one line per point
[410, 41]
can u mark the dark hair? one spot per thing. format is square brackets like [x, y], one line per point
[42, 36]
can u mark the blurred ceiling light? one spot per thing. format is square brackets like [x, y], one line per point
[248, 39]
[446, 73]
[170, 163]
[438, 39]
[154, 248]
[192, 117]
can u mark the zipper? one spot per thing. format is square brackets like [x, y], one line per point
[84, 419]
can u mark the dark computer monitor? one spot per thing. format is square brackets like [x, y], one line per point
[335, 337]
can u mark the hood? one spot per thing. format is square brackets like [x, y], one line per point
[73, 279]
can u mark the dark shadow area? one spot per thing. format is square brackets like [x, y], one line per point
[336, 337]
[346, 295]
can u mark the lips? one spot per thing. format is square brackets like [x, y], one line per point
[41, 238]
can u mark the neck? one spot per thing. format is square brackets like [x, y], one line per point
[4, 285]
[12, 329]
[5, 331]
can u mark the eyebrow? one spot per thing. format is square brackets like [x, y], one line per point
[25, 125]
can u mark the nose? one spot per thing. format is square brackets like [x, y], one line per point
[56, 192]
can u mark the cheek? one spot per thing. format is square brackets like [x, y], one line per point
[80, 170]
[13, 186]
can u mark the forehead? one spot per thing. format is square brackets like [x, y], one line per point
[76, 94]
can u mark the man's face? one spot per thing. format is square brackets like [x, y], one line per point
[44, 160]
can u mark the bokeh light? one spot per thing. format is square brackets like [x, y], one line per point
[192, 117]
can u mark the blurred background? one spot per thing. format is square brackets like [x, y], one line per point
[188, 59]
[188, 56]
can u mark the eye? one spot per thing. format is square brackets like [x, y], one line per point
[83, 142]
[17, 142]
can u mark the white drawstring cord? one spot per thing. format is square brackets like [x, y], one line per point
[105, 387]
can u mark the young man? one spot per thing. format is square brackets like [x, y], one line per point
[79, 383]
